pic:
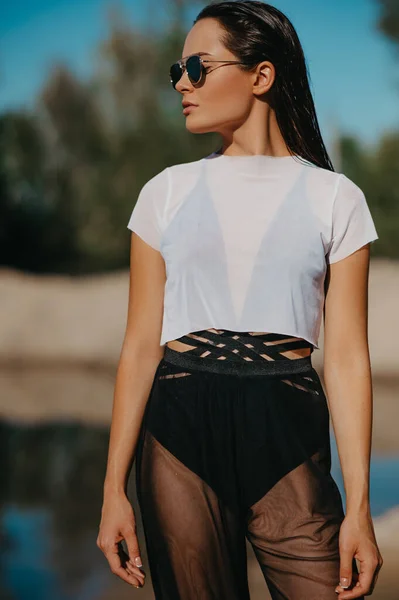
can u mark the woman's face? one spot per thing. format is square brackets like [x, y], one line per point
[225, 94]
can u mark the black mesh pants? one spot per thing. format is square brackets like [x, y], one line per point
[233, 448]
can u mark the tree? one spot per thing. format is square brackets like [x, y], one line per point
[376, 171]
[71, 171]
[35, 233]
[388, 22]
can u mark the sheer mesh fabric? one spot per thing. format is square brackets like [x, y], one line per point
[222, 458]
[195, 543]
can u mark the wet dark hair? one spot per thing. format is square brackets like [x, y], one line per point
[254, 32]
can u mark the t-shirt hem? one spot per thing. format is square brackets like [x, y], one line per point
[185, 331]
[145, 239]
[355, 248]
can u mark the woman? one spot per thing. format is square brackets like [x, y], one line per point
[234, 259]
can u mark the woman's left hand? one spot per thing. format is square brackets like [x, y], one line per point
[357, 540]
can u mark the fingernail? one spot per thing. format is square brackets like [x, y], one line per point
[137, 561]
[133, 566]
[344, 582]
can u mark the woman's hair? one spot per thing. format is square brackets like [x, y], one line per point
[254, 32]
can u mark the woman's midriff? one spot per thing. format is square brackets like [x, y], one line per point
[195, 340]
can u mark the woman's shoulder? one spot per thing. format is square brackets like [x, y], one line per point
[338, 182]
[160, 178]
[191, 166]
[157, 190]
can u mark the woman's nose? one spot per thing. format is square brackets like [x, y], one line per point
[184, 83]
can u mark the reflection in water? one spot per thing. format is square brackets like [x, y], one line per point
[28, 548]
[384, 481]
[51, 496]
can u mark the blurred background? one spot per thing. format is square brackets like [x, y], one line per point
[87, 116]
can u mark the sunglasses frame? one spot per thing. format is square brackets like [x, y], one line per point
[182, 64]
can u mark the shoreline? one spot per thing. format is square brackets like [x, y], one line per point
[82, 318]
[54, 391]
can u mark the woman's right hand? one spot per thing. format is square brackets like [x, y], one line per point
[118, 523]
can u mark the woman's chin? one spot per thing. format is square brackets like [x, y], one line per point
[194, 126]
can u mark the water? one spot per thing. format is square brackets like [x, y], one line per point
[51, 495]
[50, 501]
[384, 481]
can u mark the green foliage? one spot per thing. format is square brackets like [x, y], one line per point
[36, 233]
[389, 20]
[70, 171]
[376, 171]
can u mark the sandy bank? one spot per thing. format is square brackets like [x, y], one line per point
[64, 319]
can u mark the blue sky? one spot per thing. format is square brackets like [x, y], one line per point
[353, 69]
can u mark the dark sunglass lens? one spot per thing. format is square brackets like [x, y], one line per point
[175, 74]
[194, 68]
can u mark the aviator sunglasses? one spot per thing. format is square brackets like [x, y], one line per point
[194, 65]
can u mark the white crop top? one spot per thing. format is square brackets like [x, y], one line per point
[246, 241]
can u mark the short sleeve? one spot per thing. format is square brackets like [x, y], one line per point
[147, 217]
[352, 223]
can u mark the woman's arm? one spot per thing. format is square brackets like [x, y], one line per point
[347, 376]
[139, 359]
[347, 373]
[140, 355]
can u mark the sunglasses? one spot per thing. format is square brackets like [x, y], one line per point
[194, 65]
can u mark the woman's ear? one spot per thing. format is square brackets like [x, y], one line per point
[263, 78]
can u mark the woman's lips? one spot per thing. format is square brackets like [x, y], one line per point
[188, 109]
